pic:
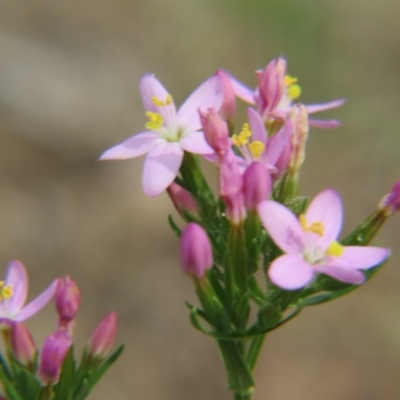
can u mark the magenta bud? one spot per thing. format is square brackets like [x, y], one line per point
[67, 299]
[256, 185]
[22, 344]
[195, 248]
[228, 108]
[391, 202]
[183, 200]
[55, 348]
[102, 339]
[215, 131]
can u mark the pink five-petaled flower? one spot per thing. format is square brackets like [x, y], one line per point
[275, 93]
[169, 132]
[13, 292]
[310, 244]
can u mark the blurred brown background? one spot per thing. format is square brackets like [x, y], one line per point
[69, 75]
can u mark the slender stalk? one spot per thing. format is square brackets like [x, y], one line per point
[254, 350]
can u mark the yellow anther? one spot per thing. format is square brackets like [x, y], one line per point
[294, 91]
[335, 249]
[289, 80]
[256, 148]
[6, 291]
[235, 140]
[246, 132]
[155, 121]
[159, 103]
[315, 227]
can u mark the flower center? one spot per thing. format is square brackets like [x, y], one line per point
[249, 149]
[293, 89]
[6, 291]
[315, 227]
[335, 249]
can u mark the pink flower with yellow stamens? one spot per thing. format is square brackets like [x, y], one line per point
[169, 132]
[276, 92]
[310, 244]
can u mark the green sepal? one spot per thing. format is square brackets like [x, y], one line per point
[27, 385]
[64, 389]
[173, 226]
[8, 386]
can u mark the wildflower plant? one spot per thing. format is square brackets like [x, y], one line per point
[258, 220]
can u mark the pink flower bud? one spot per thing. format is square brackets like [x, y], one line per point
[183, 200]
[228, 108]
[195, 249]
[67, 299]
[256, 185]
[22, 343]
[55, 348]
[215, 131]
[391, 202]
[102, 339]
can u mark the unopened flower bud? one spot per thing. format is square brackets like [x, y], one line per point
[183, 201]
[22, 344]
[256, 185]
[102, 339]
[215, 131]
[55, 348]
[228, 107]
[67, 299]
[195, 250]
[391, 202]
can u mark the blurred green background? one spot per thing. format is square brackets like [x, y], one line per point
[69, 75]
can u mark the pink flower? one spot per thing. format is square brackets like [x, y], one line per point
[183, 201]
[67, 299]
[275, 93]
[13, 292]
[310, 244]
[169, 132]
[102, 339]
[256, 185]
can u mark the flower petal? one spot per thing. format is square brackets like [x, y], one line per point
[257, 126]
[282, 225]
[135, 146]
[342, 274]
[326, 207]
[242, 91]
[17, 278]
[194, 142]
[291, 272]
[312, 108]
[209, 94]
[277, 143]
[360, 257]
[161, 167]
[324, 123]
[38, 303]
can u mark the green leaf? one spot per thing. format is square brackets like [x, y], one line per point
[173, 226]
[8, 385]
[65, 387]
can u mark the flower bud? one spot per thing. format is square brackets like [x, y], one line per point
[195, 248]
[103, 337]
[256, 185]
[215, 131]
[55, 348]
[22, 344]
[67, 299]
[391, 202]
[183, 200]
[228, 107]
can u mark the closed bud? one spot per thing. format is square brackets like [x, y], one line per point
[391, 202]
[256, 185]
[183, 200]
[67, 298]
[22, 344]
[55, 348]
[102, 339]
[195, 250]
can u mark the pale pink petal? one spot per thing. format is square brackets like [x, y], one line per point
[324, 123]
[161, 167]
[326, 207]
[277, 143]
[194, 142]
[257, 126]
[135, 146]
[312, 108]
[17, 278]
[359, 257]
[38, 303]
[291, 272]
[351, 276]
[242, 91]
[209, 94]
[282, 225]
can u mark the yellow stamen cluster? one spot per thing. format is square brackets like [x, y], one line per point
[155, 121]
[335, 249]
[159, 103]
[315, 227]
[256, 148]
[293, 89]
[6, 291]
[243, 137]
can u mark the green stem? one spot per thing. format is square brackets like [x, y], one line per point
[240, 396]
[254, 350]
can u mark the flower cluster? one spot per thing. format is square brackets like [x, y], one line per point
[50, 372]
[257, 220]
